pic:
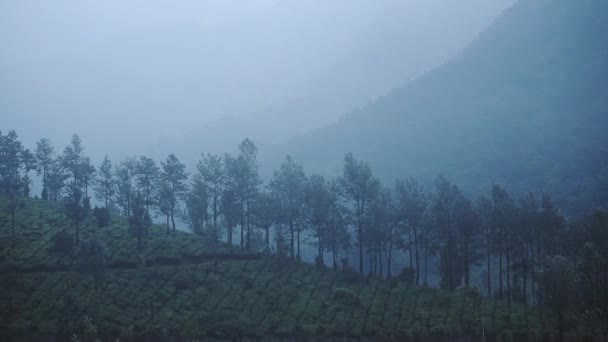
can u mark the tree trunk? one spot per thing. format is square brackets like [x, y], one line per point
[215, 208]
[500, 273]
[334, 253]
[508, 279]
[425, 264]
[77, 232]
[532, 277]
[320, 255]
[298, 232]
[360, 235]
[230, 228]
[380, 261]
[242, 224]
[267, 236]
[13, 206]
[139, 242]
[525, 276]
[417, 256]
[390, 255]
[410, 250]
[489, 257]
[291, 239]
[167, 223]
[172, 221]
[248, 226]
[466, 266]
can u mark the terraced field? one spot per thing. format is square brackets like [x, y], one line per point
[184, 293]
[38, 221]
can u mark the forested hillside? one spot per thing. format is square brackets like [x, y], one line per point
[185, 288]
[525, 105]
[470, 204]
[514, 267]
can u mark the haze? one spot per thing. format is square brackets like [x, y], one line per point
[197, 76]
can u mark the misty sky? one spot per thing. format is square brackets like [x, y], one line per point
[146, 76]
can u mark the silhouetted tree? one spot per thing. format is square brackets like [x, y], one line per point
[359, 186]
[443, 209]
[11, 167]
[264, 214]
[174, 174]
[288, 185]
[44, 155]
[124, 173]
[146, 177]
[28, 164]
[231, 211]
[75, 208]
[212, 170]
[319, 200]
[244, 181]
[106, 186]
[139, 221]
[197, 203]
[412, 206]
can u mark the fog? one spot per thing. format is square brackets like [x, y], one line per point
[152, 77]
[304, 170]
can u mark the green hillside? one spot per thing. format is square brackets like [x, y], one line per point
[189, 291]
[525, 106]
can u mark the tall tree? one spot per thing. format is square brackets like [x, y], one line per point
[75, 208]
[11, 165]
[382, 232]
[56, 179]
[231, 211]
[243, 172]
[174, 173]
[503, 214]
[444, 216]
[468, 228]
[288, 185]
[146, 176]
[211, 168]
[412, 210]
[264, 214]
[197, 204]
[338, 238]
[88, 174]
[44, 154]
[29, 164]
[106, 186]
[139, 221]
[318, 203]
[124, 174]
[72, 160]
[483, 206]
[165, 200]
[359, 186]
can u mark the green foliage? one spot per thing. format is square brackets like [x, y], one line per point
[102, 216]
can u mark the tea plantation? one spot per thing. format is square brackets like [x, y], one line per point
[185, 290]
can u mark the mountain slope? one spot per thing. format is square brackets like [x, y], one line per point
[524, 105]
[176, 297]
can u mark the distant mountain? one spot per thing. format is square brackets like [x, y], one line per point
[388, 41]
[525, 105]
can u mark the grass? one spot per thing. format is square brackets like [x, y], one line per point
[183, 293]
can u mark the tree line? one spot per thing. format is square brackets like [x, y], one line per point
[520, 246]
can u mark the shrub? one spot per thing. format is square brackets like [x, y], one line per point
[102, 216]
[62, 243]
[407, 275]
[319, 262]
[346, 297]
